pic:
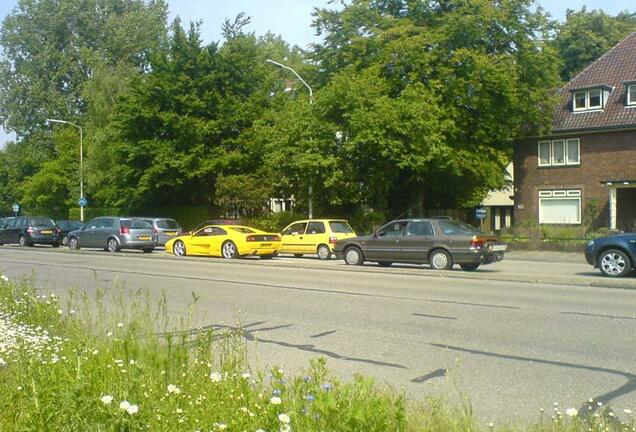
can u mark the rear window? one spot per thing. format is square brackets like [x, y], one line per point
[340, 227]
[242, 230]
[167, 224]
[135, 224]
[457, 228]
[43, 222]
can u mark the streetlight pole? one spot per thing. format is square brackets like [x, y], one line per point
[311, 102]
[81, 170]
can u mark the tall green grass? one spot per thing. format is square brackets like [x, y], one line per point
[121, 364]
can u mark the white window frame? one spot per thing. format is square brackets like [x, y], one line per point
[551, 145]
[578, 151]
[561, 194]
[565, 152]
[587, 106]
[631, 91]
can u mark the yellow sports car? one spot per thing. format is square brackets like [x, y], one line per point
[227, 241]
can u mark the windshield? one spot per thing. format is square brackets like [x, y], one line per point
[42, 221]
[167, 224]
[457, 228]
[340, 227]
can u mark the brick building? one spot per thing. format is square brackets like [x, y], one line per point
[585, 170]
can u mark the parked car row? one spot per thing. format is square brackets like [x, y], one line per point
[438, 242]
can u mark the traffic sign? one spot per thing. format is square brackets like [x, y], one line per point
[82, 202]
[480, 213]
[15, 207]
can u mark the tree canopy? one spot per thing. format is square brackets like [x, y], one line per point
[415, 103]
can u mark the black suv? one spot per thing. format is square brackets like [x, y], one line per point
[29, 230]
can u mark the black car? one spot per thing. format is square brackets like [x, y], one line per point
[30, 230]
[614, 255]
[438, 242]
[66, 226]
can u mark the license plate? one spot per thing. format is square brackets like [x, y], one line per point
[46, 232]
[265, 244]
[499, 248]
[143, 238]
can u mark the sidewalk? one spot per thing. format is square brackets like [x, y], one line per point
[547, 256]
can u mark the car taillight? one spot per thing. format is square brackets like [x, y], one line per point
[333, 240]
[124, 230]
[30, 230]
[477, 243]
[57, 230]
[276, 238]
[250, 238]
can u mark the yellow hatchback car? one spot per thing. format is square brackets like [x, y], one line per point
[315, 236]
[227, 241]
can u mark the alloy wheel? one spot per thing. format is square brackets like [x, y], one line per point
[179, 248]
[613, 264]
[112, 245]
[229, 250]
[353, 256]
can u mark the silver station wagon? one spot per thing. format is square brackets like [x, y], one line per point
[113, 234]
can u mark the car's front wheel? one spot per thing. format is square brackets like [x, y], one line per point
[353, 256]
[440, 260]
[228, 250]
[614, 263]
[179, 248]
[73, 243]
[112, 246]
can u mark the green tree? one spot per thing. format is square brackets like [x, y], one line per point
[587, 35]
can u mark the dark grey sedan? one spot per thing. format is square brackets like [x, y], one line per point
[441, 243]
[113, 234]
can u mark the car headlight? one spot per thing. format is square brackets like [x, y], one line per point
[590, 244]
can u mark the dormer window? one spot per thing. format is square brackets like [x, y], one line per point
[631, 95]
[589, 99]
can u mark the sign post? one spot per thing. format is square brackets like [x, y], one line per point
[480, 213]
[82, 203]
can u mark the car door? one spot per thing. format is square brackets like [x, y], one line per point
[418, 241]
[19, 225]
[385, 244]
[315, 234]
[87, 236]
[207, 241]
[293, 238]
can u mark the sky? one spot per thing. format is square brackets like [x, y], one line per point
[292, 18]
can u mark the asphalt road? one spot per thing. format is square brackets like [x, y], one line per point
[514, 337]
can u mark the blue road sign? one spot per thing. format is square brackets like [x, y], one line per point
[15, 207]
[480, 213]
[82, 202]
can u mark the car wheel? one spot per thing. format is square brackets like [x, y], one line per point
[439, 259]
[179, 248]
[112, 246]
[353, 256]
[73, 243]
[228, 250]
[298, 255]
[614, 263]
[385, 263]
[56, 245]
[22, 241]
[469, 266]
[323, 252]
[148, 250]
[65, 240]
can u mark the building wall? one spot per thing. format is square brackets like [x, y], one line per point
[604, 156]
